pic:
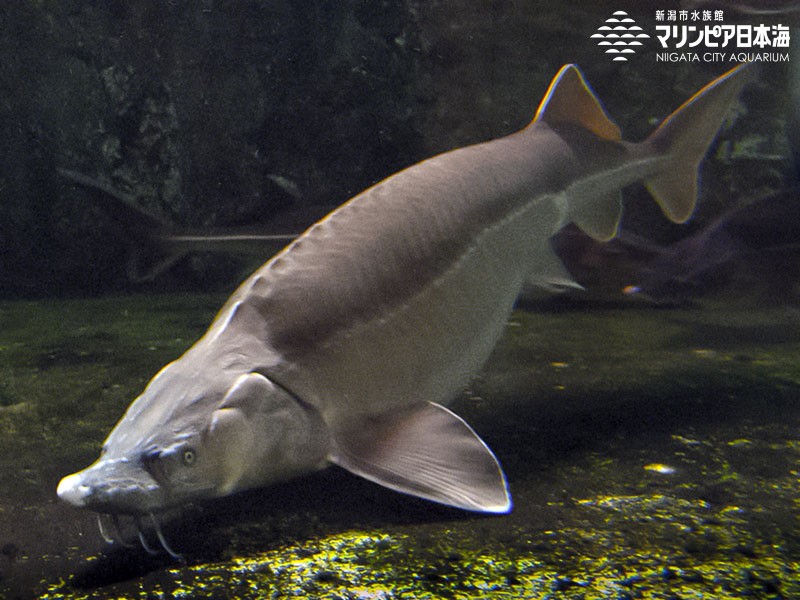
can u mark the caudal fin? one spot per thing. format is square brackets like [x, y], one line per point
[684, 137]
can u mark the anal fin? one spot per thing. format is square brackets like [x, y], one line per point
[428, 452]
[598, 216]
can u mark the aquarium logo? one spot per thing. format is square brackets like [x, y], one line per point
[695, 36]
[620, 36]
[716, 42]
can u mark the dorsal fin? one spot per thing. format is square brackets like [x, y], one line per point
[569, 99]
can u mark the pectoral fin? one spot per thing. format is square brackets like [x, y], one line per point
[427, 452]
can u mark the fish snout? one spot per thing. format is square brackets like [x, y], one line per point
[112, 486]
[71, 489]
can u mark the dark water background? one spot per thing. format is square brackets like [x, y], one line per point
[651, 449]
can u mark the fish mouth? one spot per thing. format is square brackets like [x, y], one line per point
[115, 488]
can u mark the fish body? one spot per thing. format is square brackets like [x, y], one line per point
[346, 347]
[156, 245]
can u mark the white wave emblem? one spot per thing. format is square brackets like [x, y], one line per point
[620, 36]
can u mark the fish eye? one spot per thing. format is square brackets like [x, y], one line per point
[189, 456]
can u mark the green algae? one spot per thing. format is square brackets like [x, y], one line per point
[645, 460]
[588, 563]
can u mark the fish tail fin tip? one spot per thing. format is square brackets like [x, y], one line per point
[685, 137]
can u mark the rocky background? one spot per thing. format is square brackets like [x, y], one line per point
[210, 113]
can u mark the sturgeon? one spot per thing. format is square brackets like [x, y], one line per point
[155, 246]
[346, 346]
